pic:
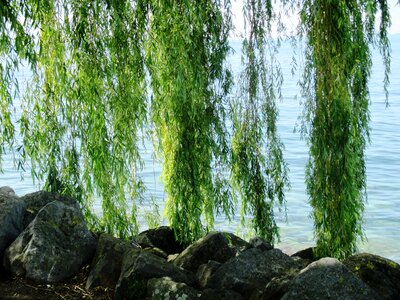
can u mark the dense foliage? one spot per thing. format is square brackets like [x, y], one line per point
[336, 115]
[259, 171]
[109, 74]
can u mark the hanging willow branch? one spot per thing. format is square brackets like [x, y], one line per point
[186, 51]
[336, 115]
[82, 117]
[259, 171]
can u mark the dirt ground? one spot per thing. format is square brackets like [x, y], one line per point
[74, 288]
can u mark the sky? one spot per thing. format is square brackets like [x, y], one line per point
[292, 21]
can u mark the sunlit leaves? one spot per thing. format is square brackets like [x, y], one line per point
[259, 171]
[336, 115]
[186, 53]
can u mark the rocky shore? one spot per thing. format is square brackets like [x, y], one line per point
[44, 238]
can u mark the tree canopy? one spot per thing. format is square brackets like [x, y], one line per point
[108, 74]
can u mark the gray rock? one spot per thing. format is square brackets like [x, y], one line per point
[307, 253]
[139, 266]
[260, 243]
[53, 247]
[37, 200]
[162, 238]
[275, 289]
[381, 274]
[328, 278]
[165, 288]
[218, 246]
[251, 270]
[205, 271]
[157, 251]
[12, 211]
[279, 285]
[7, 191]
[172, 257]
[107, 262]
[210, 294]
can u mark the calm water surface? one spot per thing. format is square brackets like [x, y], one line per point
[382, 212]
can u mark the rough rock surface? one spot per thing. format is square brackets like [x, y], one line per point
[381, 274]
[251, 270]
[37, 200]
[12, 211]
[157, 251]
[307, 253]
[328, 278]
[107, 262]
[53, 247]
[218, 246]
[165, 288]
[139, 266]
[261, 244]
[205, 271]
[162, 238]
[7, 191]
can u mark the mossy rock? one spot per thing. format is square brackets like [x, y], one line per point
[381, 274]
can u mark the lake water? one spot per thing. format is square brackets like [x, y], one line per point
[382, 211]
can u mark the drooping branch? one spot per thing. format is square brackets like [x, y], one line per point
[258, 168]
[336, 117]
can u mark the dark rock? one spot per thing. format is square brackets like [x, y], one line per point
[278, 286]
[162, 237]
[7, 191]
[210, 294]
[381, 274]
[138, 267]
[275, 289]
[157, 251]
[328, 278]
[12, 211]
[260, 243]
[107, 262]
[251, 270]
[307, 253]
[165, 288]
[36, 201]
[172, 257]
[218, 246]
[205, 271]
[53, 247]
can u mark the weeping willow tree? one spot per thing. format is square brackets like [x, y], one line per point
[259, 172]
[104, 71]
[186, 50]
[83, 116]
[336, 114]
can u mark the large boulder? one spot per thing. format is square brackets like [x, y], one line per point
[205, 271]
[279, 285]
[307, 253]
[37, 200]
[165, 288]
[162, 238]
[251, 271]
[218, 246]
[328, 278]
[107, 262]
[139, 266]
[53, 247]
[7, 191]
[12, 211]
[381, 274]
